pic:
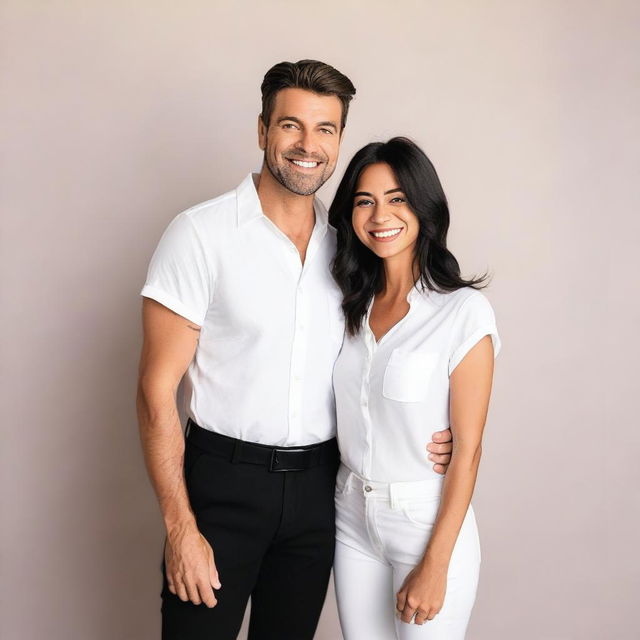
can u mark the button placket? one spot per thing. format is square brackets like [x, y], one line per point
[298, 360]
[370, 347]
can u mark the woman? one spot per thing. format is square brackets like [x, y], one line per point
[417, 356]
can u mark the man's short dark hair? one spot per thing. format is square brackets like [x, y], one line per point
[311, 75]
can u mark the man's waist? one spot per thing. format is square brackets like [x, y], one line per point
[275, 458]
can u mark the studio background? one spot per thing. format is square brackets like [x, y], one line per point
[118, 115]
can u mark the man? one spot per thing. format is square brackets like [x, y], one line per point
[239, 297]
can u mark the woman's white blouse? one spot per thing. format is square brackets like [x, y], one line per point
[392, 395]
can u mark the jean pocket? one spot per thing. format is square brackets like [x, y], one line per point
[407, 375]
[422, 512]
[470, 522]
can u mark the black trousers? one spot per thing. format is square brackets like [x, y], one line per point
[272, 535]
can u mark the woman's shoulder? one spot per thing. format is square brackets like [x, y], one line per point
[453, 301]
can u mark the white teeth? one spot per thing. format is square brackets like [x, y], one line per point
[386, 234]
[309, 165]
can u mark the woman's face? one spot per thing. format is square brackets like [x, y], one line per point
[381, 215]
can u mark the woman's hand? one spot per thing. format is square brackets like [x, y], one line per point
[422, 593]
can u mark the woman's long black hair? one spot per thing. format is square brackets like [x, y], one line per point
[357, 270]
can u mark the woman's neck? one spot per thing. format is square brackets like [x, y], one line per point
[400, 274]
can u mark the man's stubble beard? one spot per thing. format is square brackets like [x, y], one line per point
[293, 181]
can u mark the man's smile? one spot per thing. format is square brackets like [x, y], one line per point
[304, 164]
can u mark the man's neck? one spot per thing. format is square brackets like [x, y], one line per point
[292, 213]
[287, 210]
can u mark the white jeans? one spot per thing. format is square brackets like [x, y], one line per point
[381, 534]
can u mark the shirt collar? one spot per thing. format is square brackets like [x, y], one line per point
[415, 294]
[249, 207]
[248, 203]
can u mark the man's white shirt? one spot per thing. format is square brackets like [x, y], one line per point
[271, 327]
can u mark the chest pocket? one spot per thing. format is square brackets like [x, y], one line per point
[407, 375]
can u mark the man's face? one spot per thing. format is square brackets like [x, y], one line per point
[302, 140]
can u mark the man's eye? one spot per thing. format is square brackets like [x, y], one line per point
[329, 131]
[288, 125]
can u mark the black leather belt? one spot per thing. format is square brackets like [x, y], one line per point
[274, 458]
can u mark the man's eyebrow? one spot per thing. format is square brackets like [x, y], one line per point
[366, 193]
[327, 123]
[292, 118]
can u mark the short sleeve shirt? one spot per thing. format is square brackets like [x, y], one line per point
[393, 394]
[271, 327]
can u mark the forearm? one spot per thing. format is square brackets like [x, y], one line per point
[163, 447]
[457, 490]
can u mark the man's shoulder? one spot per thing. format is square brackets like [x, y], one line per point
[220, 206]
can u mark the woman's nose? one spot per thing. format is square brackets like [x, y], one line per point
[379, 215]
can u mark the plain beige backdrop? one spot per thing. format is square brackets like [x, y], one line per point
[118, 115]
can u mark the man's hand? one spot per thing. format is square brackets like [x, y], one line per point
[169, 345]
[440, 450]
[190, 567]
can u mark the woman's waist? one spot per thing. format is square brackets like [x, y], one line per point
[428, 486]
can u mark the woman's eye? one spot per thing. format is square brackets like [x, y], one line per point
[398, 199]
[362, 203]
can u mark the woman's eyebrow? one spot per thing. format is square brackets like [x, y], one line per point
[366, 193]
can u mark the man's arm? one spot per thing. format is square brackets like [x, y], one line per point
[168, 347]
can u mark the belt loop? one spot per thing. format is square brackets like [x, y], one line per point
[237, 447]
[348, 485]
[393, 496]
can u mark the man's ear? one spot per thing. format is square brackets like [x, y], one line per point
[262, 134]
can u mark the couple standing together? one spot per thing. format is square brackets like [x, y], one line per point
[292, 326]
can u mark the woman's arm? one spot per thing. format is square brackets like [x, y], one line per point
[424, 588]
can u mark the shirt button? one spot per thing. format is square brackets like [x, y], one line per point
[367, 488]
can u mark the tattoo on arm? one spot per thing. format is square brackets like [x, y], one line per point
[190, 326]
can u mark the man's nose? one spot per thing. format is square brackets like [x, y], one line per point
[306, 142]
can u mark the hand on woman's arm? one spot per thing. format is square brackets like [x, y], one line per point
[423, 590]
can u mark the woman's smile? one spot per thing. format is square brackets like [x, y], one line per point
[385, 235]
